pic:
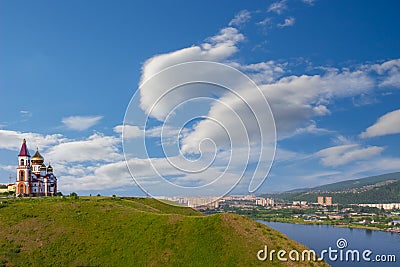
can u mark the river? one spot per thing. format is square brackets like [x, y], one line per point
[322, 237]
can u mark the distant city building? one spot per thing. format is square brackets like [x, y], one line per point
[299, 203]
[320, 200]
[260, 201]
[34, 178]
[326, 201]
[388, 206]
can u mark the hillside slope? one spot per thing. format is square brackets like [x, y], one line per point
[130, 232]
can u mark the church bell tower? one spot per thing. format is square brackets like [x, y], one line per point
[23, 171]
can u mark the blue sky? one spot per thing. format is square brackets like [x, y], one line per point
[330, 71]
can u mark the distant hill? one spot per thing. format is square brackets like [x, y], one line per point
[375, 189]
[352, 184]
[100, 231]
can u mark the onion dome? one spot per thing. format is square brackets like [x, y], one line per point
[37, 159]
[24, 150]
[43, 167]
[49, 168]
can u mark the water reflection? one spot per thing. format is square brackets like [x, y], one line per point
[368, 232]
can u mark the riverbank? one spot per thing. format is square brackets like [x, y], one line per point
[350, 226]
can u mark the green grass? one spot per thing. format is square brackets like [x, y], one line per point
[99, 231]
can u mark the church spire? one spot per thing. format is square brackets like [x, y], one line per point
[24, 150]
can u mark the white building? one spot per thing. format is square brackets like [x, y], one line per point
[388, 206]
[264, 201]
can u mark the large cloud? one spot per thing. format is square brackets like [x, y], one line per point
[116, 174]
[12, 140]
[103, 177]
[387, 124]
[294, 101]
[340, 155]
[97, 147]
[216, 48]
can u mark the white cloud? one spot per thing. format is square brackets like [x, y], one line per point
[8, 168]
[387, 124]
[217, 48]
[96, 148]
[288, 22]
[129, 131]
[278, 7]
[296, 99]
[262, 72]
[312, 129]
[340, 155]
[241, 18]
[391, 71]
[81, 123]
[385, 66]
[116, 174]
[12, 140]
[105, 176]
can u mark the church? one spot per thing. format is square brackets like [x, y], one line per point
[33, 177]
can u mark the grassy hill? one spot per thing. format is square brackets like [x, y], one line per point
[100, 231]
[376, 189]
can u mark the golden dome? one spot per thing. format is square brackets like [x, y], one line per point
[43, 167]
[49, 168]
[37, 159]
